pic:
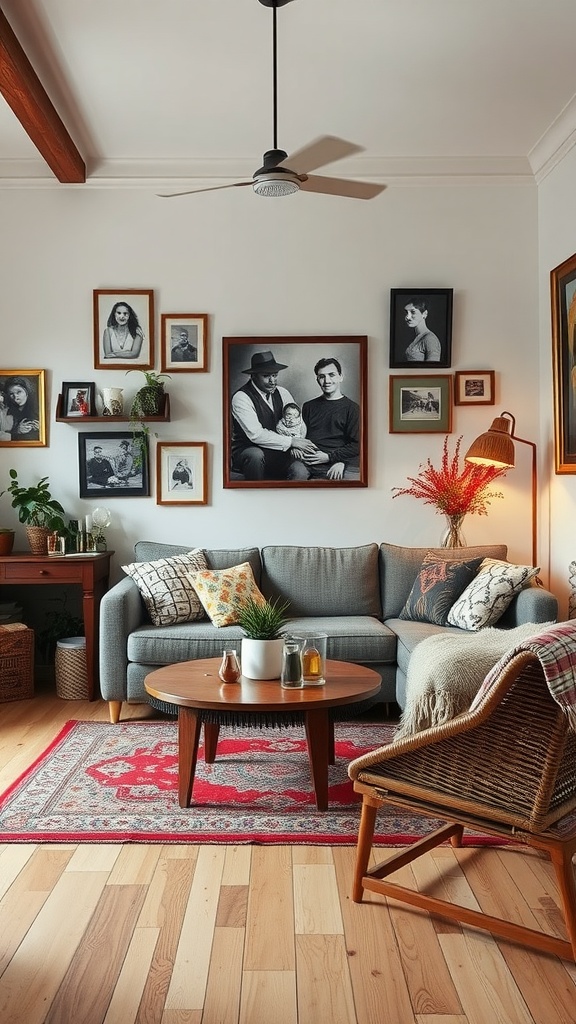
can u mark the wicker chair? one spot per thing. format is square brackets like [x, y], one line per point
[508, 767]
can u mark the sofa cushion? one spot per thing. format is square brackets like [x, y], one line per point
[223, 592]
[165, 586]
[436, 588]
[216, 558]
[489, 594]
[323, 581]
[399, 567]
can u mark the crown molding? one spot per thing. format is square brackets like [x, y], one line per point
[555, 143]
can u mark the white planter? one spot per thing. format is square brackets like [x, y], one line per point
[261, 659]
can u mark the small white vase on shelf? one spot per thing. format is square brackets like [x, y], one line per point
[112, 401]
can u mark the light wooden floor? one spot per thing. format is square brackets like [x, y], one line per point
[257, 935]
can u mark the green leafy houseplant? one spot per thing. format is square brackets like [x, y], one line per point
[35, 505]
[149, 399]
[263, 621]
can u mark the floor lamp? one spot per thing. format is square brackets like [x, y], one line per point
[496, 448]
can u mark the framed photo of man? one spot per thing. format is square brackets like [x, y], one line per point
[113, 465]
[123, 328]
[184, 342]
[23, 409]
[563, 299]
[181, 473]
[295, 411]
[420, 327]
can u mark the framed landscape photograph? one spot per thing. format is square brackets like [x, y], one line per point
[123, 328]
[295, 411]
[79, 398]
[421, 405]
[474, 387]
[420, 327]
[563, 302]
[184, 342]
[181, 473]
[23, 409]
[113, 464]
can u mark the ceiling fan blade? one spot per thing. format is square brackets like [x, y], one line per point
[341, 187]
[212, 188]
[321, 151]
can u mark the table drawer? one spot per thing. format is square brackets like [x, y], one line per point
[28, 572]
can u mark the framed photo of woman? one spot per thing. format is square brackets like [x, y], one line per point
[22, 409]
[182, 473]
[123, 328]
[420, 327]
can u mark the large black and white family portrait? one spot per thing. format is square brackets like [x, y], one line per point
[22, 408]
[113, 464]
[295, 411]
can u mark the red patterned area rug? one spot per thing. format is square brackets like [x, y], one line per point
[99, 782]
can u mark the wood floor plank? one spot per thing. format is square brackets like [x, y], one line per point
[123, 1007]
[316, 903]
[182, 1017]
[222, 1002]
[312, 855]
[270, 920]
[12, 859]
[94, 857]
[485, 988]
[232, 906]
[237, 865]
[135, 865]
[16, 917]
[269, 996]
[324, 985]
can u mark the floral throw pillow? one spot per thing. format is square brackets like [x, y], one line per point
[436, 588]
[166, 589]
[224, 591]
[489, 594]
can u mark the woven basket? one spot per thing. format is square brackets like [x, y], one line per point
[70, 670]
[38, 539]
[16, 662]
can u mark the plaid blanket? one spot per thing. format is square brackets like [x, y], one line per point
[555, 649]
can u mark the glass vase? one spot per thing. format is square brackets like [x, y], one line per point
[453, 536]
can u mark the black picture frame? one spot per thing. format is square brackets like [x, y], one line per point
[437, 306]
[297, 357]
[118, 448]
[78, 398]
[563, 303]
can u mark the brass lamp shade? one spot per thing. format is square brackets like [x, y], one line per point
[495, 447]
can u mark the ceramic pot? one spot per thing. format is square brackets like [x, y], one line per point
[38, 539]
[262, 659]
[112, 401]
[6, 541]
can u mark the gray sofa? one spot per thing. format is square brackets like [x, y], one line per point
[353, 594]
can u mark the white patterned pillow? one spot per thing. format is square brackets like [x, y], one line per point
[166, 588]
[489, 594]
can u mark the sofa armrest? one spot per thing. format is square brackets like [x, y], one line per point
[533, 604]
[121, 612]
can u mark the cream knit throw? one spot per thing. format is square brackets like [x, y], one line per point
[446, 670]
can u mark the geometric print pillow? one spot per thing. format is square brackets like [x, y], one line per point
[224, 591]
[166, 588]
[436, 588]
[489, 594]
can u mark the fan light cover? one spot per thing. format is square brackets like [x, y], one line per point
[280, 186]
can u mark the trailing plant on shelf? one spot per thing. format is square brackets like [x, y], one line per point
[263, 620]
[149, 399]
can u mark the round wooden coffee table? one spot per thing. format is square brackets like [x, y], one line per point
[202, 699]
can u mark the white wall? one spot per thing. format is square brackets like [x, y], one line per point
[303, 265]
[557, 241]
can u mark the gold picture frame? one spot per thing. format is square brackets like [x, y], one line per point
[23, 409]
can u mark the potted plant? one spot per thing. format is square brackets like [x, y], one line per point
[37, 510]
[150, 398]
[6, 540]
[262, 623]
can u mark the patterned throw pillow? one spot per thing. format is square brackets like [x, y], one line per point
[436, 588]
[489, 594]
[223, 591]
[166, 588]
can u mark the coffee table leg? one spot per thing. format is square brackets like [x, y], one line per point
[318, 737]
[189, 728]
[211, 733]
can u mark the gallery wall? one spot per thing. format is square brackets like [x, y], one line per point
[302, 265]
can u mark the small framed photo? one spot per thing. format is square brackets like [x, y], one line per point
[182, 473]
[113, 465]
[474, 387]
[420, 327]
[123, 328]
[421, 405]
[184, 342]
[79, 398]
[23, 409]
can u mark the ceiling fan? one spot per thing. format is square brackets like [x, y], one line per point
[282, 175]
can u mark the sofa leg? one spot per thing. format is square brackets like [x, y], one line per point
[114, 709]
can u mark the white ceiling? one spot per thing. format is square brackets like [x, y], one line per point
[176, 91]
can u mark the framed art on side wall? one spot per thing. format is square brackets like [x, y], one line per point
[295, 411]
[421, 405]
[123, 328]
[563, 301]
[420, 327]
[181, 473]
[184, 342]
[474, 387]
[23, 408]
[113, 464]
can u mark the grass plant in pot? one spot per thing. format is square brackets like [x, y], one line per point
[262, 623]
[37, 510]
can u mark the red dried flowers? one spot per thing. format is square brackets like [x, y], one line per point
[454, 491]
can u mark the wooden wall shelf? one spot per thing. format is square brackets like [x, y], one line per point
[79, 420]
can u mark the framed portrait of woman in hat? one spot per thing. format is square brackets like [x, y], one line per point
[295, 411]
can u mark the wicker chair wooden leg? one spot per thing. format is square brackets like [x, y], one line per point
[564, 867]
[364, 846]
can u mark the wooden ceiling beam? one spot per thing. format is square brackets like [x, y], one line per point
[25, 94]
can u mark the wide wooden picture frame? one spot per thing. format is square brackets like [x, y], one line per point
[123, 337]
[184, 342]
[113, 464]
[474, 387]
[23, 409]
[421, 328]
[78, 398]
[421, 405]
[563, 305]
[332, 405]
[181, 473]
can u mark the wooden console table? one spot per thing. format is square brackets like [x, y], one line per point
[91, 572]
